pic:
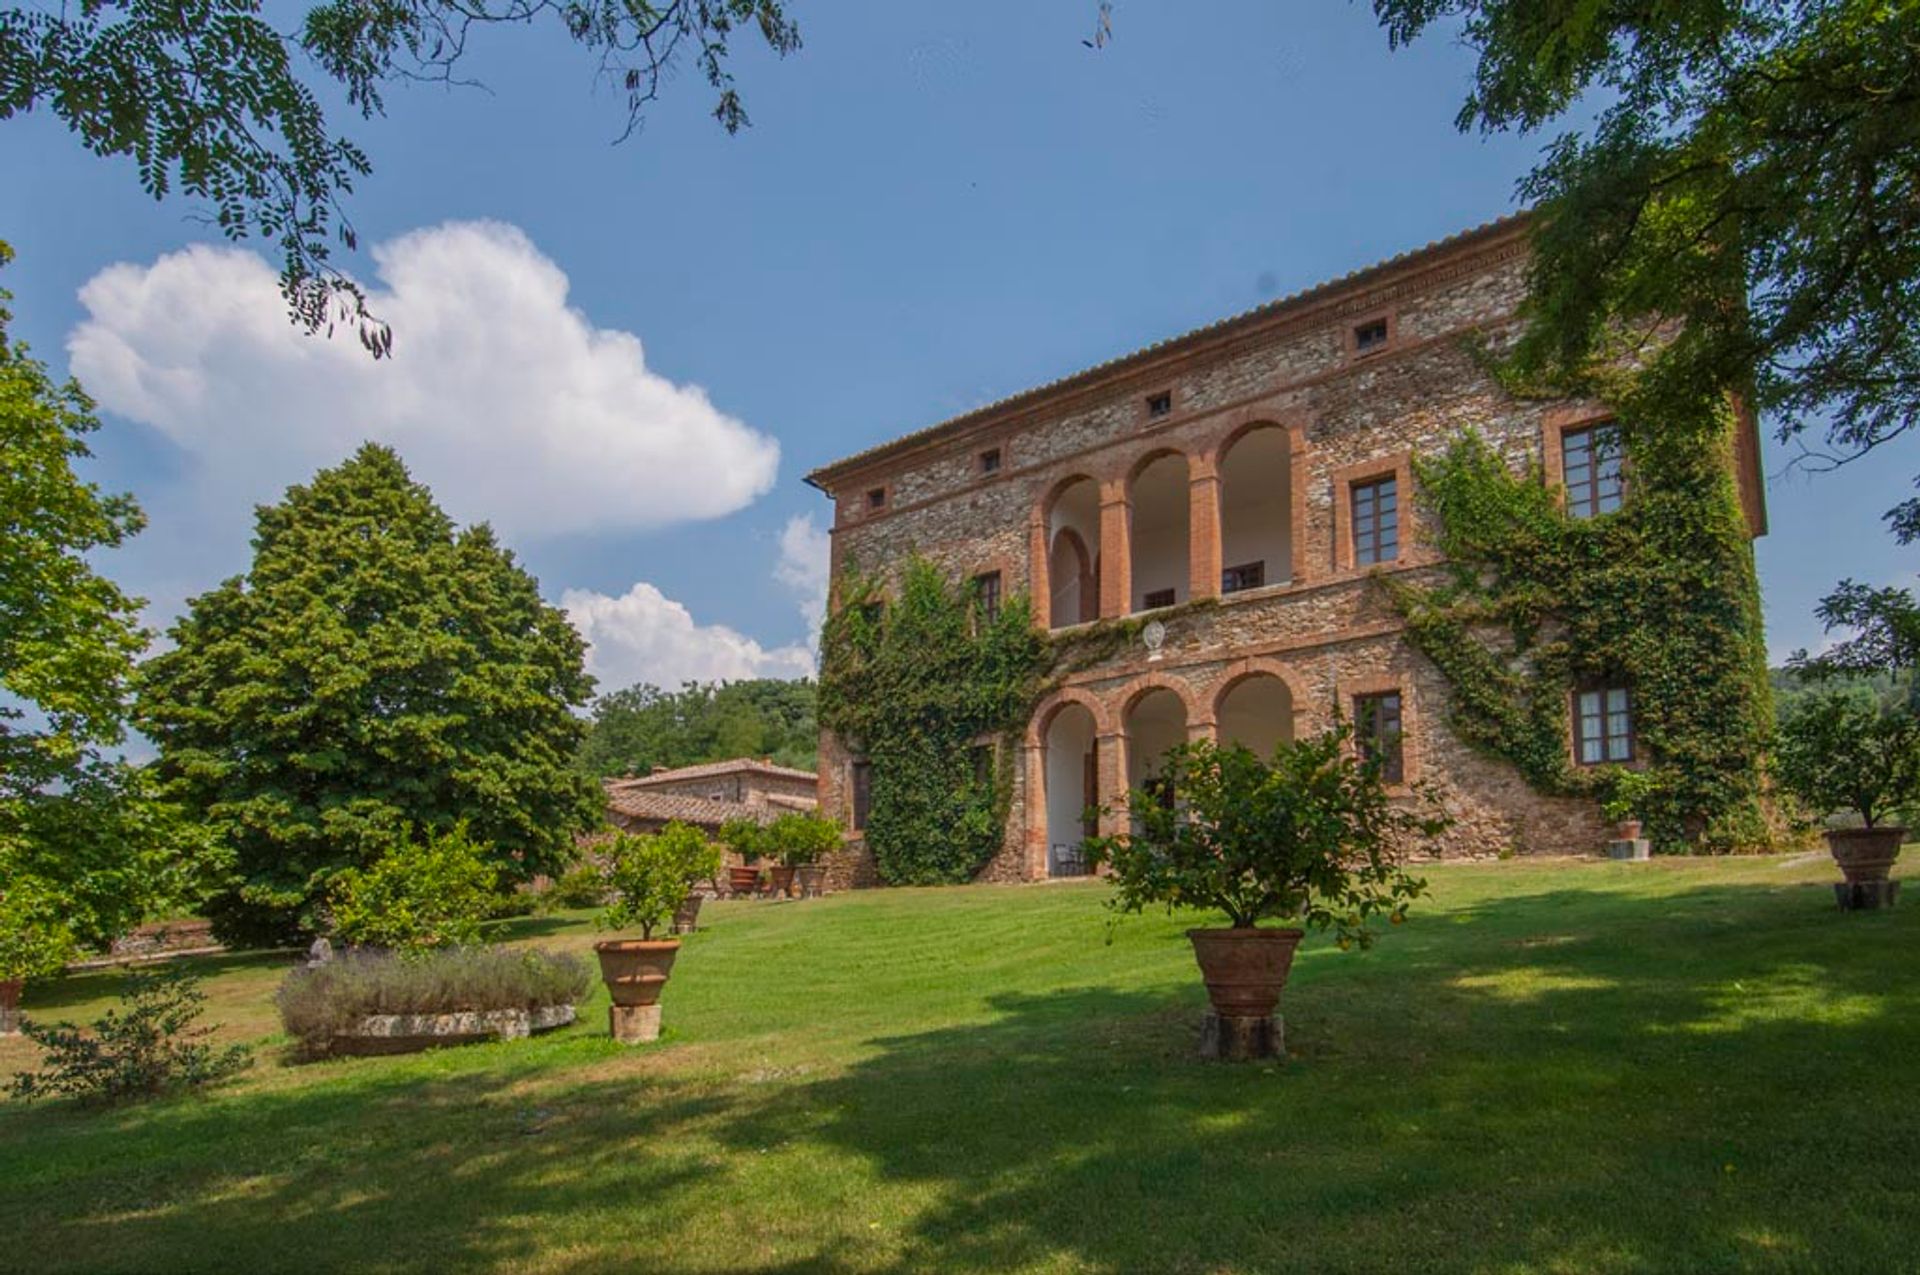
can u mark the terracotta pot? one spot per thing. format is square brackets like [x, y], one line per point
[1627, 830]
[10, 1006]
[812, 878]
[1245, 968]
[781, 884]
[635, 970]
[1865, 854]
[743, 880]
[686, 918]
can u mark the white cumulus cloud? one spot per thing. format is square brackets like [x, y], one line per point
[645, 636]
[512, 405]
[803, 566]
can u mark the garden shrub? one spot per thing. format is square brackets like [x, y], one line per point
[748, 838]
[581, 887]
[317, 1002]
[419, 894]
[650, 876]
[151, 1046]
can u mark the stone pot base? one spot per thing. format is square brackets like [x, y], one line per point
[379, 1034]
[1242, 1039]
[1633, 850]
[634, 1024]
[1866, 896]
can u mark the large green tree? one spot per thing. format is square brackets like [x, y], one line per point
[376, 671]
[214, 100]
[640, 727]
[1751, 170]
[79, 834]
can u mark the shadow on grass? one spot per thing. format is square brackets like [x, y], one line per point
[1717, 1079]
[46, 996]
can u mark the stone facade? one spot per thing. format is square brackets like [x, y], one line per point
[1241, 445]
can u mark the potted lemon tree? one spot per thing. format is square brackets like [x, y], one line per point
[1307, 838]
[801, 841]
[648, 878]
[748, 839]
[1840, 751]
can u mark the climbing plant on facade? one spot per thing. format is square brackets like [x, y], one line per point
[1659, 595]
[922, 685]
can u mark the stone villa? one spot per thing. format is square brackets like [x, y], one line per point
[1262, 461]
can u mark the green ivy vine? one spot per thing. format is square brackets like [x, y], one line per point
[1660, 594]
[934, 693]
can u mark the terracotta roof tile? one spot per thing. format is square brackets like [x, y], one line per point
[704, 812]
[709, 769]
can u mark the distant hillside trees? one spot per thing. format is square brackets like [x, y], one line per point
[641, 727]
[377, 672]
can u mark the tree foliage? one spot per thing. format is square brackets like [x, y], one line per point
[1742, 214]
[1840, 750]
[83, 844]
[642, 726]
[375, 671]
[799, 838]
[211, 99]
[1308, 834]
[924, 685]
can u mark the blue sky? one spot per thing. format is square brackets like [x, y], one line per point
[936, 206]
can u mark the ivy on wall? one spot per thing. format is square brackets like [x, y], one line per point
[1660, 594]
[934, 695]
[920, 685]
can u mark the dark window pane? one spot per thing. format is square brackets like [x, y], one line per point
[989, 586]
[1377, 730]
[1603, 725]
[862, 793]
[1251, 575]
[1376, 522]
[1158, 598]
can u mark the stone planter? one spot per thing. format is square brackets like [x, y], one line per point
[743, 880]
[780, 883]
[410, 1033]
[10, 1006]
[635, 972]
[1245, 970]
[1865, 856]
[686, 919]
[812, 879]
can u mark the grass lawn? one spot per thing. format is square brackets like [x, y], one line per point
[1686, 1065]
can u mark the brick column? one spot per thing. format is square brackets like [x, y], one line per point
[1040, 583]
[1203, 529]
[1116, 550]
[1204, 728]
[1110, 761]
[1035, 760]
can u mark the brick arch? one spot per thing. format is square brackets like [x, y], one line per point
[1058, 488]
[1048, 708]
[1139, 463]
[1243, 670]
[1237, 424]
[1123, 700]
